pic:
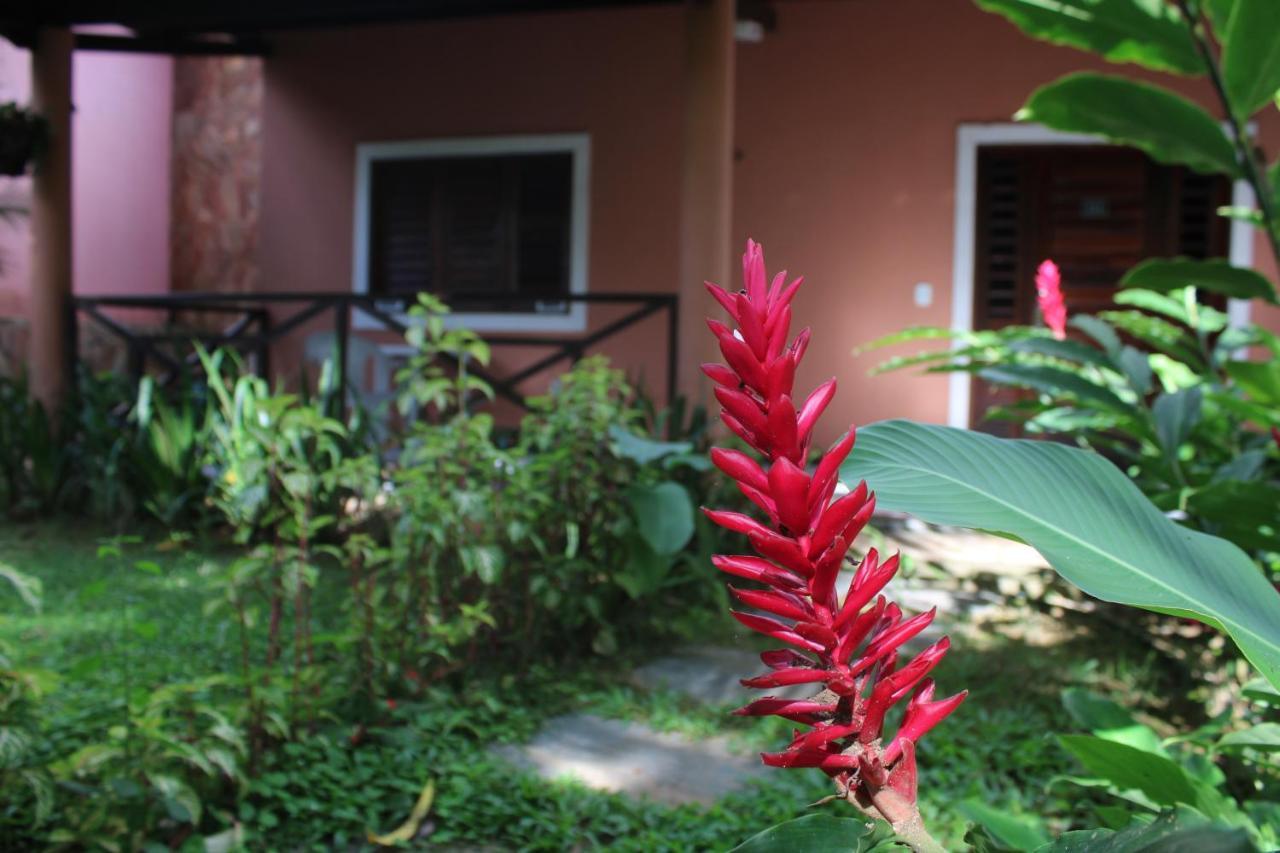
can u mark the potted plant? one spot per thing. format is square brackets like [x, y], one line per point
[24, 136]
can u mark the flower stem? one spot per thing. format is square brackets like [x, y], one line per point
[901, 814]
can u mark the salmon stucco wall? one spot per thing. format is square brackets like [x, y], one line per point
[120, 173]
[846, 129]
[614, 75]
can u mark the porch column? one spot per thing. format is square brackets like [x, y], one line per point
[50, 295]
[706, 202]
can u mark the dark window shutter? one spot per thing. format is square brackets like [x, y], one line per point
[1000, 266]
[460, 226]
[402, 254]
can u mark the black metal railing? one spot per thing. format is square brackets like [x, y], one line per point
[253, 328]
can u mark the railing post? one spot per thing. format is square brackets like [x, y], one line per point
[71, 340]
[673, 348]
[342, 327]
[136, 358]
[263, 357]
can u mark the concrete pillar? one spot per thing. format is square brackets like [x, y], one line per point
[706, 203]
[51, 219]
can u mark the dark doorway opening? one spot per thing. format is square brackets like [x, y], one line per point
[1097, 210]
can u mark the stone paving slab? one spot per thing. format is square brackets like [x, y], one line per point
[710, 674]
[633, 759]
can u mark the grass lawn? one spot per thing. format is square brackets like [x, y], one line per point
[109, 631]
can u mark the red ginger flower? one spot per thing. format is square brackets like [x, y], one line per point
[847, 648]
[1049, 298]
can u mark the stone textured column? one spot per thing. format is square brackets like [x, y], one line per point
[49, 304]
[706, 204]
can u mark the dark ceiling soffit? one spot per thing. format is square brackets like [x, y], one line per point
[189, 21]
[173, 46]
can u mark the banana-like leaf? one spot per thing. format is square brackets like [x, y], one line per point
[1146, 32]
[1251, 55]
[1056, 381]
[820, 833]
[1215, 276]
[1068, 350]
[1167, 126]
[1083, 514]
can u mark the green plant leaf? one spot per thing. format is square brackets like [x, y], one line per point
[1146, 32]
[1054, 381]
[1099, 330]
[1068, 350]
[645, 570]
[1166, 126]
[817, 833]
[1182, 831]
[1084, 515]
[1264, 737]
[1107, 720]
[1176, 415]
[1259, 379]
[1136, 366]
[1248, 514]
[1215, 276]
[1128, 767]
[485, 562]
[1021, 832]
[643, 450]
[908, 335]
[27, 587]
[664, 515]
[1259, 690]
[1251, 55]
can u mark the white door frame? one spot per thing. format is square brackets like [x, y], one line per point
[969, 138]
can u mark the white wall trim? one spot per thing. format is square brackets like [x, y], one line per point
[577, 144]
[969, 137]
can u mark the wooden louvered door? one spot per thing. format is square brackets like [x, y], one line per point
[1097, 211]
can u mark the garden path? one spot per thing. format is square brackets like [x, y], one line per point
[965, 574]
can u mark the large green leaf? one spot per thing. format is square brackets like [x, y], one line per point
[1215, 276]
[1020, 832]
[1167, 126]
[643, 450]
[1251, 55]
[1183, 831]
[1264, 737]
[1259, 379]
[1128, 768]
[1176, 415]
[819, 833]
[1246, 513]
[664, 515]
[1085, 516]
[1068, 350]
[1109, 721]
[1054, 380]
[1147, 32]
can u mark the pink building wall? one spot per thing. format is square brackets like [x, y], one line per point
[847, 119]
[121, 141]
[615, 74]
[846, 136]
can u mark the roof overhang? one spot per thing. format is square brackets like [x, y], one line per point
[241, 26]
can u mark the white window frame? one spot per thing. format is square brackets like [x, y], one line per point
[576, 144]
[969, 138]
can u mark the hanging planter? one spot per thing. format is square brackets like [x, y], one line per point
[24, 137]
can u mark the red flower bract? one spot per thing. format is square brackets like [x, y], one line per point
[847, 647]
[1049, 298]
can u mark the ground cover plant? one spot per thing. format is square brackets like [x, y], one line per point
[332, 783]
